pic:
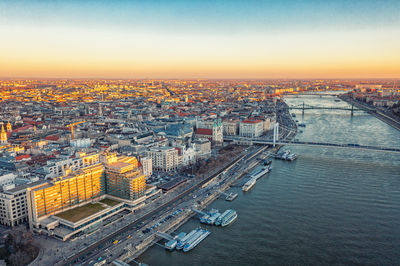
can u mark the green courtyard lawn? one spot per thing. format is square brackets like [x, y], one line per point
[76, 214]
[110, 202]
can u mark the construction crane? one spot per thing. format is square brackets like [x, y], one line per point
[72, 127]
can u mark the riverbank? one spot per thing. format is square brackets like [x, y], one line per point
[222, 181]
[373, 111]
[219, 182]
[330, 206]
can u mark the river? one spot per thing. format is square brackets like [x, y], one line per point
[329, 207]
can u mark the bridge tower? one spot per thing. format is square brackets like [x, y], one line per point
[276, 133]
[352, 109]
[302, 111]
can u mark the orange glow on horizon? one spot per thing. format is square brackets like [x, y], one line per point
[142, 55]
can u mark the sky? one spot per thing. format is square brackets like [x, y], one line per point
[200, 39]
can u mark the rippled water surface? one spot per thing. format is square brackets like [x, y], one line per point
[330, 207]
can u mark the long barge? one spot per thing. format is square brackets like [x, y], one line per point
[193, 243]
[254, 177]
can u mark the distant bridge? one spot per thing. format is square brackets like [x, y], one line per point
[304, 107]
[310, 94]
[309, 107]
[312, 144]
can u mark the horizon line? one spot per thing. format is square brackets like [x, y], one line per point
[195, 78]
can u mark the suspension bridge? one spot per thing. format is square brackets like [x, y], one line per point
[277, 140]
[304, 107]
[310, 94]
[312, 144]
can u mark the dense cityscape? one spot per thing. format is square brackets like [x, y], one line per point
[199, 132]
[83, 159]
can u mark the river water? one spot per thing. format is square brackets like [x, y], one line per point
[329, 207]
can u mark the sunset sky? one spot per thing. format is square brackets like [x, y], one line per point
[200, 39]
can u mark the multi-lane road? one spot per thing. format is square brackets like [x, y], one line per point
[100, 246]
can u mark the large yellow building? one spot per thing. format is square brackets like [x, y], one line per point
[65, 192]
[124, 178]
[116, 176]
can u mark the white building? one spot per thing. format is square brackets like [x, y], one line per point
[7, 180]
[81, 143]
[230, 127]
[188, 156]
[202, 148]
[266, 124]
[81, 160]
[251, 128]
[147, 165]
[164, 158]
[13, 204]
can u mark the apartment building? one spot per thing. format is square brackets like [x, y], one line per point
[251, 128]
[58, 167]
[164, 158]
[14, 205]
[147, 166]
[124, 178]
[230, 127]
[65, 192]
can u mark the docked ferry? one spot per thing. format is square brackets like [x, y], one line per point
[249, 184]
[181, 243]
[203, 233]
[219, 219]
[170, 245]
[257, 175]
[254, 177]
[229, 218]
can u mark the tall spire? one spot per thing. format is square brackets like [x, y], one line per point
[9, 127]
[3, 135]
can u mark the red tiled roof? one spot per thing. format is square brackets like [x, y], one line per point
[23, 128]
[251, 121]
[203, 131]
[31, 122]
[52, 137]
[24, 156]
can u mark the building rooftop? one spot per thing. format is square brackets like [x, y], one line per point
[76, 214]
[24, 186]
[247, 121]
[203, 131]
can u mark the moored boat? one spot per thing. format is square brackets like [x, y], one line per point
[183, 241]
[249, 184]
[219, 219]
[200, 237]
[228, 219]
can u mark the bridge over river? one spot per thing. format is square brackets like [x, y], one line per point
[312, 144]
[304, 107]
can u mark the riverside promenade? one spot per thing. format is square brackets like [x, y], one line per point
[374, 111]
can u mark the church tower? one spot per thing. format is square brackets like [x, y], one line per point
[3, 135]
[217, 132]
[9, 127]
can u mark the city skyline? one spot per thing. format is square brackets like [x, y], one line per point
[201, 39]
